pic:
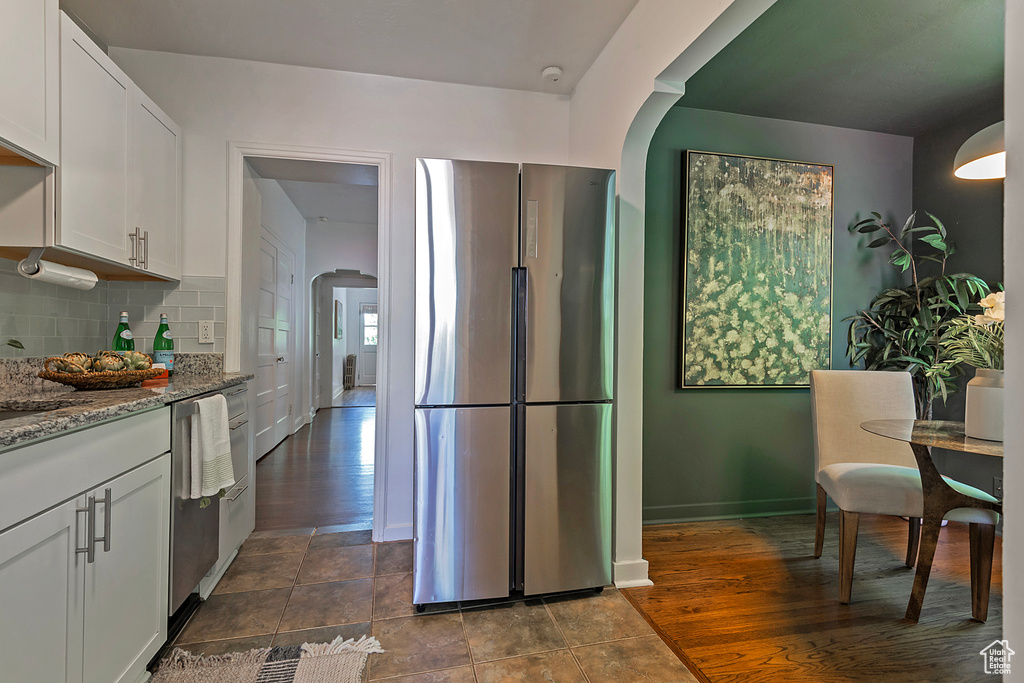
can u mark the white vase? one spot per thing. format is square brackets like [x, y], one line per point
[984, 415]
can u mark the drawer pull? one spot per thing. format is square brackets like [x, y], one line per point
[237, 424]
[90, 532]
[237, 391]
[106, 500]
[238, 493]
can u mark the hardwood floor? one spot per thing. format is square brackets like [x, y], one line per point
[744, 600]
[320, 476]
[357, 396]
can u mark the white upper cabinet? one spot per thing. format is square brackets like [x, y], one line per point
[156, 198]
[119, 181]
[95, 161]
[29, 77]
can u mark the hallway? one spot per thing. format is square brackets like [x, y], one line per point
[322, 476]
[357, 396]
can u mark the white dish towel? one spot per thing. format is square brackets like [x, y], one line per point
[211, 448]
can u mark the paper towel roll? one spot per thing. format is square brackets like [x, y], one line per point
[66, 276]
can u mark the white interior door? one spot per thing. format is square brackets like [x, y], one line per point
[273, 344]
[266, 358]
[283, 343]
[368, 344]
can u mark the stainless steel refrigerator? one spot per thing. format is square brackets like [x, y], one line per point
[514, 364]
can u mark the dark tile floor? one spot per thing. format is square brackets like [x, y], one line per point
[311, 585]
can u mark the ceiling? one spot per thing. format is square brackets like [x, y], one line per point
[341, 193]
[901, 67]
[498, 43]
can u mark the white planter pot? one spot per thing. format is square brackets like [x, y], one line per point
[984, 418]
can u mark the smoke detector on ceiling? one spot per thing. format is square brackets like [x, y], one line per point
[551, 74]
[323, 219]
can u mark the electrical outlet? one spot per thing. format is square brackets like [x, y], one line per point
[205, 331]
[997, 487]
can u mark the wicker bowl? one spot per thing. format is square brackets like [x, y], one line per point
[102, 380]
[116, 379]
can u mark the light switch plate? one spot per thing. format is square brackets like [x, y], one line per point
[205, 331]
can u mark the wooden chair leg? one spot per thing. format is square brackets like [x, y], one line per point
[848, 523]
[819, 529]
[983, 537]
[913, 541]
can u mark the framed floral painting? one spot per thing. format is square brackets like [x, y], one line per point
[756, 271]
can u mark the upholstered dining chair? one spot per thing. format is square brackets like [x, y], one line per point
[865, 473]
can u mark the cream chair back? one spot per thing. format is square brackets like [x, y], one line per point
[842, 399]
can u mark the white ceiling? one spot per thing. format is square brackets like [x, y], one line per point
[341, 193]
[498, 43]
[336, 203]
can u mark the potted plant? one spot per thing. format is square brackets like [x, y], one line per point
[978, 340]
[902, 328]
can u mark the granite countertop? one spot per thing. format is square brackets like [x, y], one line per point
[67, 410]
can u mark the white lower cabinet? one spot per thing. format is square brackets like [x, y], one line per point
[126, 587]
[41, 599]
[83, 583]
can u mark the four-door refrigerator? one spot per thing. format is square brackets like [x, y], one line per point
[513, 375]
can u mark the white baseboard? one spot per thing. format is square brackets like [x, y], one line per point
[399, 532]
[630, 574]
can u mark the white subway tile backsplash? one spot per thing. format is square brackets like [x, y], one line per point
[212, 299]
[50, 320]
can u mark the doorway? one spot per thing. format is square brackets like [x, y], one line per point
[314, 467]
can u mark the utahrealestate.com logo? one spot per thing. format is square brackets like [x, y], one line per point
[997, 657]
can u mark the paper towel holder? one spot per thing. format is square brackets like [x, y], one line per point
[33, 268]
[30, 264]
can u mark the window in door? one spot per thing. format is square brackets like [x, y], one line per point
[369, 314]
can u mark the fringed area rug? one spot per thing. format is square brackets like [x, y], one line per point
[341, 661]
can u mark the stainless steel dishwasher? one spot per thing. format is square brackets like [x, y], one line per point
[195, 531]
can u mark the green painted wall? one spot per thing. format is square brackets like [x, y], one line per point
[743, 452]
[972, 210]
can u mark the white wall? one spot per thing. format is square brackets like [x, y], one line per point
[331, 246]
[339, 347]
[1013, 253]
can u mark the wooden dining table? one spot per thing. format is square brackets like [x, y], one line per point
[940, 498]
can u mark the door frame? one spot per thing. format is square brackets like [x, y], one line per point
[237, 151]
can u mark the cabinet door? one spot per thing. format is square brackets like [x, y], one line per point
[95, 163]
[29, 78]
[126, 587]
[41, 586]
[156, 194]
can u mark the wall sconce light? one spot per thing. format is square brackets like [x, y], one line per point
[983, 155]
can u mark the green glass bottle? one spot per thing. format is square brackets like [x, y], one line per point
[123, 339]
[163, 345]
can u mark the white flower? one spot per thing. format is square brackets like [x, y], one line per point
[995, 309]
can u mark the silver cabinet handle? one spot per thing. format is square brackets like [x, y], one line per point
[145, 252]
[106, 520]
[240, 492]
[90, 535]
[237, 391]
[134, 258]
[238, 424]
